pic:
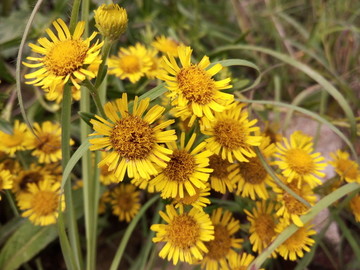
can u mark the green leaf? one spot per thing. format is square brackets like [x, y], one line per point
[5, 74]
[5, 126]
[86, 116]
[24, 244]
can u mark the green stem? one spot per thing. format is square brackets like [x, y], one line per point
[74, 15]
[95, 96]
[315, 210]
[12, 203]
[65, 149]
[102, 68]
[120, 251]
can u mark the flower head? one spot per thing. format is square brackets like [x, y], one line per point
[41, 202]
[6, 179]
[111, 20]
[198, 200]
[230, 135]
[192, 86]
[263, 221]
[185, 171]
[185, 234]
[225, 226]
[132, 139]
[65, 57]
[251, 177]
[291, 208]
[17, 140]
[240, 261]
[297, 243]
[345, 167]
[355, 207]
[125, 201]
[220, 178]
[167, 45]
[297, 160]
[47, 143]
[131, 63]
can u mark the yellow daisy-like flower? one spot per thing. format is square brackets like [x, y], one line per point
[225, 226]
[185, 171]
[251, 177]
[65, 57]
[291, 208]
[107, 177]
[167, 45]
[125, 201]
[185, 234]
[57, 93]
[34, 174]
[198, 200]
[192, 86]
[345, 167]
[144, 183]
[41, 202]
[131, 63]
[134, 139]
[17, 140]
[6, 179]
[230, 135]
[355, 207]
[297, 160]
[220, 179]
[263, 221]
[240, 261]
[47, 145]
[111, 20]
[297, 243]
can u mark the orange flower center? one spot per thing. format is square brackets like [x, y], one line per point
[183, 231]
[45, 203]
[220, 246]
[229, 133]
[180, 166]
[130, 64]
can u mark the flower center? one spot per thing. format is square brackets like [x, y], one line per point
[299, 161]
[265, 228]
[219, 166]
[196, 85]
[220, 246]
[125, 201]
[66, 57]
[30, 177]
[229, 133]
[48, 143]
[130, 64]
[253, 171]
[180, 166]
[184, 231]
[294, 206]
[132, 138]
[45, 203]
[348, 168]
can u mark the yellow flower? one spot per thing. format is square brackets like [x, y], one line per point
[220, 179]
[65, 57]
[155, 64]
[355, 207]
[111, 20]
[185, 171]
[47, 144]
[291, 209]
[167, 45]
[225, 226]
[198, 200]
[345, 167]
[297, 243]
[262, 225]
[34, 174]
[185, 234]
[41, 202]
[131, 63]
[6, 178]
[133, 140]
[125, 201]
[17, 140]
[57, 93]
[297, 160]
[192, 86]
[230, 135]
[107, 177]
[240, 261]
[251, 176]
